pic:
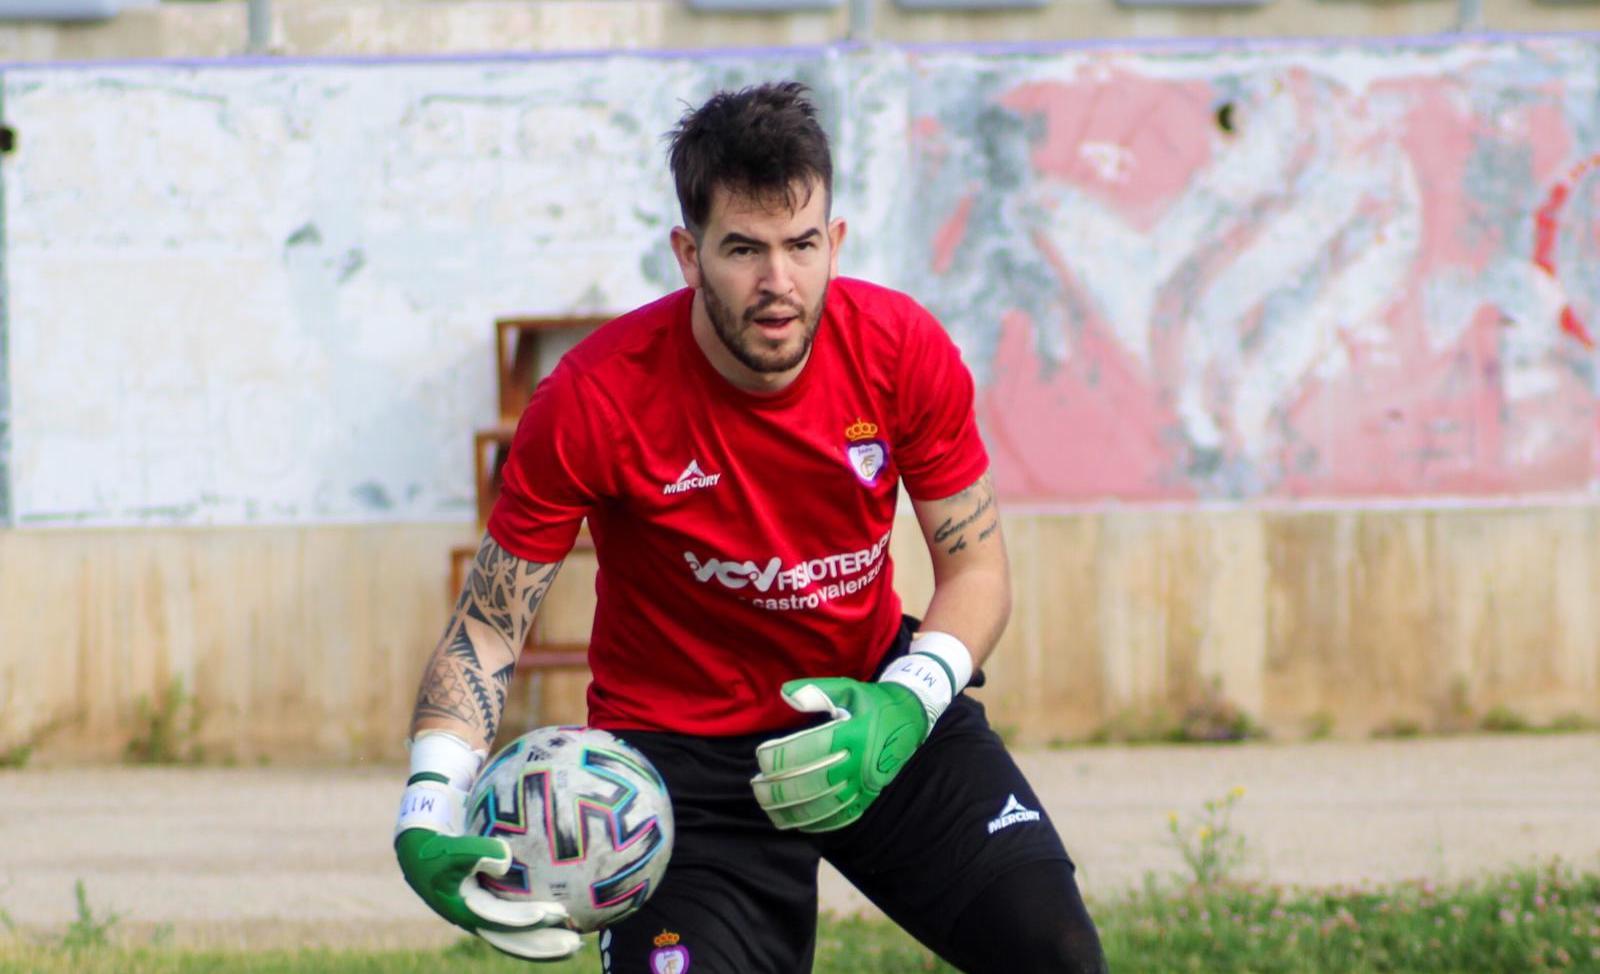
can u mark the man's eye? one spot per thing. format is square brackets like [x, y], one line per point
[741, 251]
[806, 245]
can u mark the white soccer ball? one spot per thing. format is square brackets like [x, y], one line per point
[587, 818]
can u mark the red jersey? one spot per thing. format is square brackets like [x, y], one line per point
[742, 539]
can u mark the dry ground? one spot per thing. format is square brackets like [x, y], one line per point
[276, 856]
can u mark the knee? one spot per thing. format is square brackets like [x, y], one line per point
[1031, 920]
[1062, 951]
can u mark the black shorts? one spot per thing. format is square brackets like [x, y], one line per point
[740, 896]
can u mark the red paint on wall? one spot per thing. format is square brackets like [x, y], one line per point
[1091, 422]
[1543, 125]
[1131, 140]
[1547, 236]
[1460, 380]
[950, 234]
[1419, 421]
[1438, 138]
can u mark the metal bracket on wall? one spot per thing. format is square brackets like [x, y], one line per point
[1193, 3]
[8, 142]
[972, 4]
[259, 38]
[63, 10]
[762, 6]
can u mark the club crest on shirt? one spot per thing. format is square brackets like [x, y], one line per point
[669, 957]
[867, 454]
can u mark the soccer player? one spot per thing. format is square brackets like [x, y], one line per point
[737, 448]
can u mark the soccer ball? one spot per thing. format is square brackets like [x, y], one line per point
[587, 818]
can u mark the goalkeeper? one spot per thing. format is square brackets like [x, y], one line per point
[738, 448]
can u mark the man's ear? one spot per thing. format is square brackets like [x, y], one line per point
[687, 250]
[836, 231]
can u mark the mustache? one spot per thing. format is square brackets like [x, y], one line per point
[768, 305]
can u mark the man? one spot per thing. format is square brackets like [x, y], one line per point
[737, 448]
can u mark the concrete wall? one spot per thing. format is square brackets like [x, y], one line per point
[306, 643]
[263, 294]
[1361, 618]
[1285, 355]
[305, 28]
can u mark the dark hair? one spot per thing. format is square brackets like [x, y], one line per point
[758, 141]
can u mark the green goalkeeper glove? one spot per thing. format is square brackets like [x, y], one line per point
[442, 865]
[824, 777]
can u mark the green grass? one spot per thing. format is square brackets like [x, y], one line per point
[1520, 923]
[168, 728]
[1529, 921]
[844, 946]
[874, 947]
[1209, 718]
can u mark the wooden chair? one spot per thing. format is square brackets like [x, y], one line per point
[519, 364]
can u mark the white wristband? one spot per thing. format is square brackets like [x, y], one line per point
[936, 669]
[439, 806]
[948, 650]
[432, 805]
[443, 753]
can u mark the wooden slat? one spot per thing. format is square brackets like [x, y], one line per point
[518, 368]
[460, 557]
[554, 656]
[518, 361]
[515, 323]
[490, 448]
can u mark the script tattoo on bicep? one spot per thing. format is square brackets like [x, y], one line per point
[953, 532]
[470, 672]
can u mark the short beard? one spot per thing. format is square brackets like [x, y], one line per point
[733, 330]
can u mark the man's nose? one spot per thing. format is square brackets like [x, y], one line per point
[777, 276]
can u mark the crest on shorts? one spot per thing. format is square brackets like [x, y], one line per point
[867, 454]
[669, 957]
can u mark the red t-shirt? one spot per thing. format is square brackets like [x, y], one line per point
[742, 540]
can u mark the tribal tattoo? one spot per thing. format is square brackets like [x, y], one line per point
[467, 679]
[953, 533]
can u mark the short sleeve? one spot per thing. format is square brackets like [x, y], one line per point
[939, 451]
[555, 474]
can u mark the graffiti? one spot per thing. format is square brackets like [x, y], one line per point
[1547, 228]
[1282, 277]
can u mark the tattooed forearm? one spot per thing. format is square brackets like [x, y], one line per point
[532, 588]
[470, 672]
[503, 592]
[953, 531]
[444, 694]
[454, 688]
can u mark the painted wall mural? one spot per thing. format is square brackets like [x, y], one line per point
[1294, 273]
[1305, 274]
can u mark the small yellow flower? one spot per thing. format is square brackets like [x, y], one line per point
[1204, 833]
[1172, 818]
[1237, 792]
